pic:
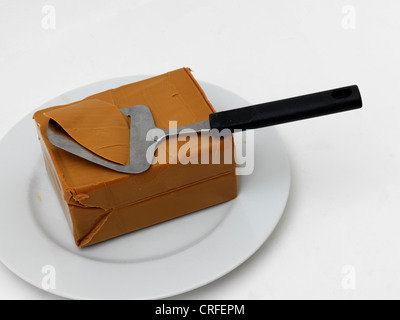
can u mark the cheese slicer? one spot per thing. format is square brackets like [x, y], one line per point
[252, 117]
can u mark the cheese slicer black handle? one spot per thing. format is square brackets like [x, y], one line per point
[288, 110]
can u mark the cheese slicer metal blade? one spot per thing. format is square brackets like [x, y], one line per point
[252, 117]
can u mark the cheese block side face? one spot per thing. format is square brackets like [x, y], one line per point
[188, 173]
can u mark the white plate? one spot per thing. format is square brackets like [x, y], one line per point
[158, 262]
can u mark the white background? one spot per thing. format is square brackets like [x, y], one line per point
[343, 212]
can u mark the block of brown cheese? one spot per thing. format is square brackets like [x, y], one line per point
[101, 204]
